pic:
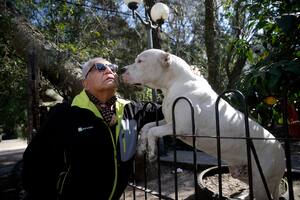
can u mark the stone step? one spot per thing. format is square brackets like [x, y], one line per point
[186, 157]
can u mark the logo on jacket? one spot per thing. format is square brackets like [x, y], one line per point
[80, 129]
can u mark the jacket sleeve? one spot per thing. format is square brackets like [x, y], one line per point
[43, 158]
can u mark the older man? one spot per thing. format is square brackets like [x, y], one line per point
[85, 151]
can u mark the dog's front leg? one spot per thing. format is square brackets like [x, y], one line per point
[147, 126]
[143, 139]
[153, 134]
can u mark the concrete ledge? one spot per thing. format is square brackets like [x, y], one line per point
[11, 145]
[186, 157]
[205, 160]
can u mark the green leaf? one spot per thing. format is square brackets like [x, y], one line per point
[273, 81]
[293, 67]
[97, 33]
[286, 23]
[249, 55]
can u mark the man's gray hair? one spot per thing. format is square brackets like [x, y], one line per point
[86, 67]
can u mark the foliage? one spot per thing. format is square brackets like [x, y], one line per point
[258, 39]
[85, 31]
[274, 78]
[12, 88]
[84, 28]
[277, 70]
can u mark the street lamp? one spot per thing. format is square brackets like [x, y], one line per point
[159, 12]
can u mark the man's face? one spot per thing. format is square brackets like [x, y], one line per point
[99, 80]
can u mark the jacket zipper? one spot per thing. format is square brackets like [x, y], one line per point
[116, 162]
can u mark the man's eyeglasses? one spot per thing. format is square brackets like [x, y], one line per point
[102, 67]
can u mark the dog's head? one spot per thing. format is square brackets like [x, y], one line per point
[149, 69]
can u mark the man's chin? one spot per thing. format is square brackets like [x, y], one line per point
[110, 82]
[110, 85]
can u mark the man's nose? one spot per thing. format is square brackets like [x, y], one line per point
[108, 70]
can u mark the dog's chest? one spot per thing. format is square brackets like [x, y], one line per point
[167, 108]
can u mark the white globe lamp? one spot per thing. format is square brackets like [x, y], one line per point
[159, 12]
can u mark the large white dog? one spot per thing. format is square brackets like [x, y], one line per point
[158, 69]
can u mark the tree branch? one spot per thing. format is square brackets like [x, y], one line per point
[61, 69]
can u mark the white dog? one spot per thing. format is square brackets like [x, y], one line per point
[158, 69]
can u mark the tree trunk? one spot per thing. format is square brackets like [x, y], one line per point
[236, 72]
[234, 58]
[211, 46]
[58, 67]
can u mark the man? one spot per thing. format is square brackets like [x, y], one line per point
[85, 151]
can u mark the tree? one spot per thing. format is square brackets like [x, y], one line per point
[222, 38]
[277, 69]
[59, 61]
[56, 65]
[213, 58]
[213, 36]
[12, 91]
[276, 73]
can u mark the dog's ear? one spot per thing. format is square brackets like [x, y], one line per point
[165, 59]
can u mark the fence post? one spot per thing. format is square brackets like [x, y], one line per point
[194, 145]
[33, 96]
[287, 147]
[250, 147]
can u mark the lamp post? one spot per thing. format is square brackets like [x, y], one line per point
[159, 12]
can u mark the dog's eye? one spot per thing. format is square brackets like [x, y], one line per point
[139, 61]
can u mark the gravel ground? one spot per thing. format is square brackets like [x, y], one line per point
[185, 185]
[11, 152]
[186, 189]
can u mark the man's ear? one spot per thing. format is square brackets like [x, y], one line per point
[165, 59]
[84, 83]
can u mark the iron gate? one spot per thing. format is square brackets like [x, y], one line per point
[249, 146]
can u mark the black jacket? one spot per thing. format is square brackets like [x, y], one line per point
[73, 155]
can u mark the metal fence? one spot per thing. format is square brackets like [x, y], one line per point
[148, 193]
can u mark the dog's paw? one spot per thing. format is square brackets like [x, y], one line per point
[142, 146]
[143, 139]
[151, 146]
[152, 157]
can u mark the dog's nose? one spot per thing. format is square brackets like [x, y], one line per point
[123, 70]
